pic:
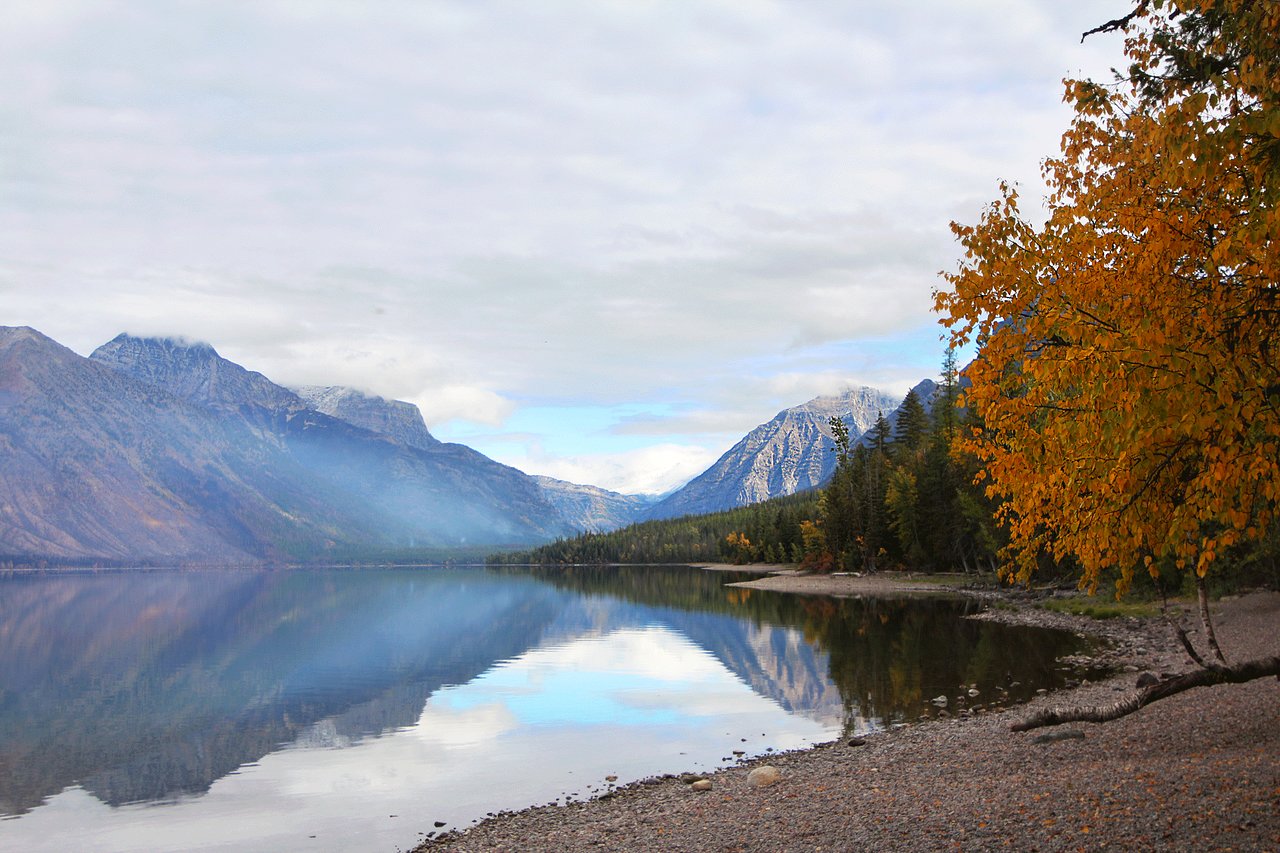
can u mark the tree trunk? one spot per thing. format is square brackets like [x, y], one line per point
[1237, 674]
[1202, 593]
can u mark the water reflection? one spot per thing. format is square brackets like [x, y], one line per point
[343, 704]
[881, 659]
[148, 686]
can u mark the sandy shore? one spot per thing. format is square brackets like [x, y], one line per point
[1197, 771]
[758, 568]
[783, 577]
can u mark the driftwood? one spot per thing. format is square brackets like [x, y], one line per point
[1216, 671]
[1205, 677]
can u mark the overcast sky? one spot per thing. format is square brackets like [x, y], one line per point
[597, 240]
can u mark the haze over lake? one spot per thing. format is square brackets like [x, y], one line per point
[321, 709]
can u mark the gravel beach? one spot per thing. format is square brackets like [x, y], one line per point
[1197, 771]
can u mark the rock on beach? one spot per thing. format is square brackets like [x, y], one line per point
[764, 776]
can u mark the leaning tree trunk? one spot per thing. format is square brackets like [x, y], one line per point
[1237, 674]
[1202, 593]
[1216, 671]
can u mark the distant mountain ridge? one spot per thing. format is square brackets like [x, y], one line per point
[790, 453]
[583, 508]
[159, 450]
[393, 418]
[590, 508]
[97, 466]
[194, 372]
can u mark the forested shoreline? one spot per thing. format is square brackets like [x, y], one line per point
[900, 498]
[909, 495]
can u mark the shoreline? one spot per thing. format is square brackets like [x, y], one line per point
[1198, 770]
[788, 579]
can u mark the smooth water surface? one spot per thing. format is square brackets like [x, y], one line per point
[334, 710]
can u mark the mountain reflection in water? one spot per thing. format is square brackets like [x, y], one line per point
[150, 687]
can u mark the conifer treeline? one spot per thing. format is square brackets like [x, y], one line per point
[771, 529]
[900, 498]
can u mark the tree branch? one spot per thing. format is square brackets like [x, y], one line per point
[1237, 674]
[1186, 642]
[1117, 24]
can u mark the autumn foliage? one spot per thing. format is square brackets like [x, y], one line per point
[1128, 380]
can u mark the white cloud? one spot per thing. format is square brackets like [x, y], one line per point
[651, 470]
[473, 404]
[475, 204]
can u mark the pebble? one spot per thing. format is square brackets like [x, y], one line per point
[701, 785]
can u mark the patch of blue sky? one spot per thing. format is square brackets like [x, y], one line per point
[906, 356]
[558, 429]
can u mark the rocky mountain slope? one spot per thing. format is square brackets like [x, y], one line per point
[395, 419]
[583, 508]
[195, 372]
[95, 465]
[162, 451]
[590, 508]
[790, 453]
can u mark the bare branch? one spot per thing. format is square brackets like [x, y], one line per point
[1186, 642]
[1117, 24]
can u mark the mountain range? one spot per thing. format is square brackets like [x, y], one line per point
[160, 451]
[788, 454]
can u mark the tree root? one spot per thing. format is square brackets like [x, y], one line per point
[1205, 677]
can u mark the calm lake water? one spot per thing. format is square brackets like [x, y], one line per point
[337, 710]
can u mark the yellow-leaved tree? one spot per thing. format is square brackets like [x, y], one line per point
[1128, 376]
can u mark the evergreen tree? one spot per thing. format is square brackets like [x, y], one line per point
[840, 498]
[945, 407]
[903, 503]
[871, 465]
[912, 427]
[880, 436]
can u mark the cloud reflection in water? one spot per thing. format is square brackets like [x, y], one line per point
[549, 723]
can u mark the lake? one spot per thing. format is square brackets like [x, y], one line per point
[319, 710]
